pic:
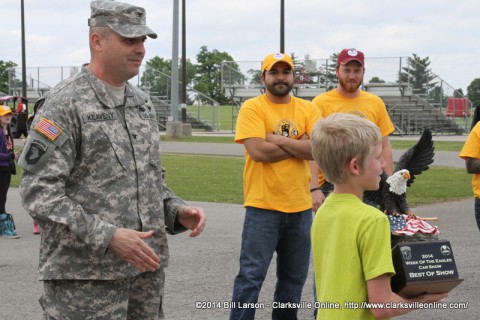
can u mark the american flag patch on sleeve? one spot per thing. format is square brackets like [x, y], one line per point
[48, 129]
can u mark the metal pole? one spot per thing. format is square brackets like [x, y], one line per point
[24, 64]
[184, 55]
[184, 65]
[400, 71]
[282, 26]
[174, 88]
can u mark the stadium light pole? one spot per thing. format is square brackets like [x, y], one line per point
[24, 63]
[174, 127]
[282, 26]
[174, 79]
[184, 62]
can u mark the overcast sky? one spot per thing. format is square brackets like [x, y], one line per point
[448, 32]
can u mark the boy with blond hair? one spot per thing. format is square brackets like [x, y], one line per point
[350, 239]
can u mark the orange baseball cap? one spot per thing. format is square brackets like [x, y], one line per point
[4, 110]
[273, 58]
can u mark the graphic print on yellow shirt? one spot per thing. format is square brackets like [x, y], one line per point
[286, 128]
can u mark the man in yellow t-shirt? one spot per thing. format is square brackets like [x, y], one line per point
[471, 154]
[274, 129]
[349, 98]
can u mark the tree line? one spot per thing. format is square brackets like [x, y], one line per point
[205, 76]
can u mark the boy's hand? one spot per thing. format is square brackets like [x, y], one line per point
[431, 297]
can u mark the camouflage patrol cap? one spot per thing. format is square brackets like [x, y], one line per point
[123, 18]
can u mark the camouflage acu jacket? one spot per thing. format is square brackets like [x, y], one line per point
[91, 165]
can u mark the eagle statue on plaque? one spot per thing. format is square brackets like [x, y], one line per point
[422, 262]
[391, 197]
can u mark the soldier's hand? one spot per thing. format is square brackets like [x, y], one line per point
[129, 246]
[192, 218]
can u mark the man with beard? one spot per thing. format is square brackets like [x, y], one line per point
[349, 98]
[274, 129]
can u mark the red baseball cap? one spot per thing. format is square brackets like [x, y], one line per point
[347, 55]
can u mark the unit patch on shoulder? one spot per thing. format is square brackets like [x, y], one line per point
[36, 150]
[48, 129]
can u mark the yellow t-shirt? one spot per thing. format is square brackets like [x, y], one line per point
[471, 149]
[366, 105]
[283, 185]
[350, 245]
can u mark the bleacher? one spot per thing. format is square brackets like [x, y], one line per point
[163, 110]
[411, 113]
[239, 94]
[32, 94]
[308, 92]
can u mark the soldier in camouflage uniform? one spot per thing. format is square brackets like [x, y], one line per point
[93, 180]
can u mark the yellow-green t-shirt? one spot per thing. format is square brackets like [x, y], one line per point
[350, 245]
[283, 185]
[366, 105]
[471, 149]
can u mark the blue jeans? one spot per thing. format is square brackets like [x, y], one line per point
[477, 211]
[264, 232]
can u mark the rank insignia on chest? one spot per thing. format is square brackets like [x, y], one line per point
[146, 115]
[48, 129]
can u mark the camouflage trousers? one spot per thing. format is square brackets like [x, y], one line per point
[135, 298]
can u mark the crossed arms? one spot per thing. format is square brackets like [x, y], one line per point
[276, 148]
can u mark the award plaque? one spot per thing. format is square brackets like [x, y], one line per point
[423, 267]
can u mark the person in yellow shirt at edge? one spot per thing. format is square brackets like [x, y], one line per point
[471, 154]
[350, 239]
[349, 98]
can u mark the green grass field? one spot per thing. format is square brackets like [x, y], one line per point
[219, 179]
[435, 185]
[454, 146]
[223, 117]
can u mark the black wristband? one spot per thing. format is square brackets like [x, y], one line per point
[315, 189]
